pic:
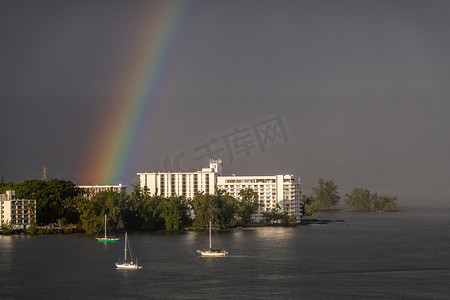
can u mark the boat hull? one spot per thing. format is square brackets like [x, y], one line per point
[127, 266]
[213, 253]
[107, 239]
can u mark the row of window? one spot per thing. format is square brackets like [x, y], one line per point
[249, 180]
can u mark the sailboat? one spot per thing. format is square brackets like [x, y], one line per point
[212, 252]
[125, 263]
[106, 238]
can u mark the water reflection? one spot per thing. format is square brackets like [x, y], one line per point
[280, 235]
[6, 242]
[337, 261]
[190, 239]
[6, 251]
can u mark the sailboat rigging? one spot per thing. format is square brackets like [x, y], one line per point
[106, 238]
[125, 263]
[212, 252]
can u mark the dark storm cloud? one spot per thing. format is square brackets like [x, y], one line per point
[361, 86]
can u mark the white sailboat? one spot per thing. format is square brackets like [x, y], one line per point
[106, 238]
[212, 252]
[125, 263]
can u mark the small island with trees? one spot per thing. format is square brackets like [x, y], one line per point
[325, 196]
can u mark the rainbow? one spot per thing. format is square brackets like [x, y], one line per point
[120, 138]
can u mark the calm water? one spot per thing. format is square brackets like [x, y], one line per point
[402, 255]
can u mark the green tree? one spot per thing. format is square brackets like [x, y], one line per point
[149, 216]
[308, 203]
[359, 199]
[248, 204]
[273, 215]
[92, 212]
[7, 227]
[374, 203]
[71, 209]
[292, 220]
[388, 203]
[49, 195]
[174, 212]
[7, 186]
[362, 199]
[220, 208]
[325, 194]
[133, 207]
[227, 208]
[32, 229]
[206, 208]
[31, 209]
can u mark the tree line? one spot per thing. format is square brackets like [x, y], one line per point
[325, 196]
[61, 201]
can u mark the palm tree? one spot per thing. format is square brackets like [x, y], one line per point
[31, 210]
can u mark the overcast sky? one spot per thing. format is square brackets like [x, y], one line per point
[357, 91]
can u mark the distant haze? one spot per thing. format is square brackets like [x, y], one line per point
[361, 89]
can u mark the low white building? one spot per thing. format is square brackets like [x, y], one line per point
[274, 191]
[92, 190]
[16, 210]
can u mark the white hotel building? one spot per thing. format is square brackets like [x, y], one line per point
[16, 210]
[276, 190]
[186, 184]
[283, 191]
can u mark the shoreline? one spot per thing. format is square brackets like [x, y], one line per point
[42, 230]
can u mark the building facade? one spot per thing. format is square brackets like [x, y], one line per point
[92, 190]
[187, 184]
[281, 192]
[18, 211]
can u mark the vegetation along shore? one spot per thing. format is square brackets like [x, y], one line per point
[62, 208]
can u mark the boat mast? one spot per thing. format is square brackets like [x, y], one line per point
[105, 226]
[210, 247]
[126, 241]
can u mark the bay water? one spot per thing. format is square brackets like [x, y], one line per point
[401, 255]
